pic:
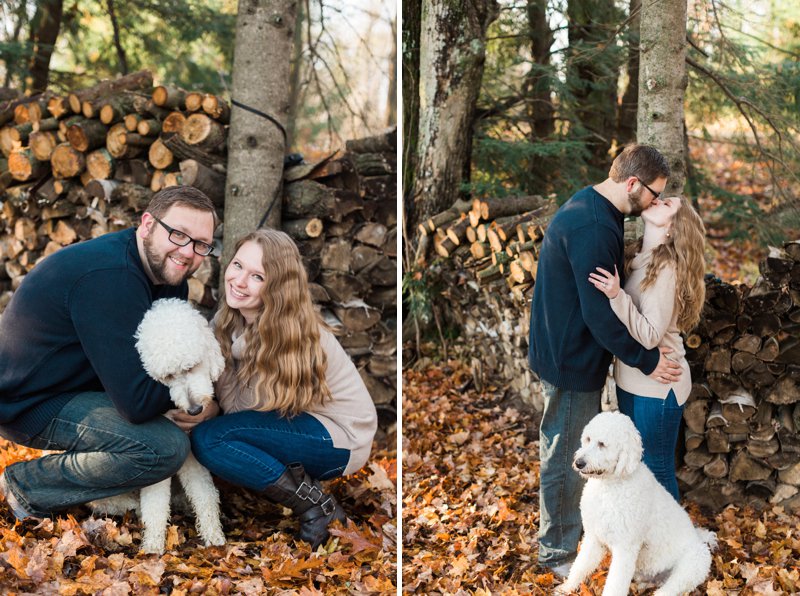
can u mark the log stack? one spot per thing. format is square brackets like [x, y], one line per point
[489, 253]
[741, 438]
[742, 434]
[78, 166]
[343, 215]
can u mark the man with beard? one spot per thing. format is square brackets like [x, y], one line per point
[70, 376]
[574, 333]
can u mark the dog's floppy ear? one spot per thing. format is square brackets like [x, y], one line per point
[630, 452]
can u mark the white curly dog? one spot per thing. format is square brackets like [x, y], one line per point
[626, 511]
[178, 349]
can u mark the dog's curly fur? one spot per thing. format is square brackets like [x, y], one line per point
[626, 511]
[178, 349]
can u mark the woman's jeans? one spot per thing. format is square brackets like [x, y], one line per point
[658, 421]
[252, 449]
[565, 414]
[102, 455]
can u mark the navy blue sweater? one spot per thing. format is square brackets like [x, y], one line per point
[573, 331]
[69, 328]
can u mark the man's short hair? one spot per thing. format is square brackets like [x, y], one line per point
[643, 161]
[180, 195]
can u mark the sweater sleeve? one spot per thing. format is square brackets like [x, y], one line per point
[595, 246]
[106, 308]
[650, 321]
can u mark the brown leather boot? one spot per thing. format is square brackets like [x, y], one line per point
[302, 494]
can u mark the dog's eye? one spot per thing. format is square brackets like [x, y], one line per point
[601, 444]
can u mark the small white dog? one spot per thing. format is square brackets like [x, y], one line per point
[178, 349]
[626, 510]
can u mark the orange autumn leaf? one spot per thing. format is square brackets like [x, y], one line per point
[357, 540]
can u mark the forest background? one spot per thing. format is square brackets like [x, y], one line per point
[539, 95]
[342, 86]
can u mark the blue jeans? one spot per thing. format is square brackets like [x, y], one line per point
[102, 455]
[565, 414]
[252, 449]
[658, 421]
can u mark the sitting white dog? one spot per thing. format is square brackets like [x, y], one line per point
[626, 510]
[178, 349]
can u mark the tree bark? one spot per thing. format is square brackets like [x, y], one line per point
[123, 60]
[412, 20]
[294, 79]
[538, 87]
[256, 145]
[593, 69]
[452, 56]
[626, 123]
[391, 98]
[662, 83]
[44, 33]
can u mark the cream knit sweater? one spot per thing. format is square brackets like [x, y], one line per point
[350, 415]
[651, 319]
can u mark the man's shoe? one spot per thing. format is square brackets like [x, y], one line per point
[13, 504]
[562, 570]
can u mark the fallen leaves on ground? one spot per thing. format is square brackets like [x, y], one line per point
[470, 504]
[735, 259]
[76, 554]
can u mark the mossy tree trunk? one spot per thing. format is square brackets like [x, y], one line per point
[452, 55]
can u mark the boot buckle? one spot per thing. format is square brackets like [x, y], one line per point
[309, 492]
[328, 507]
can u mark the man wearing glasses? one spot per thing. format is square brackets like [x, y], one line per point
[70, 376]
[574, 334]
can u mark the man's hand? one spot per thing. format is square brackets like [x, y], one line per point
[186, 422]
[667, 371]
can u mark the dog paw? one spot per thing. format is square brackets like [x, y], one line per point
[215, 540]
[565, 589]
[150, 548]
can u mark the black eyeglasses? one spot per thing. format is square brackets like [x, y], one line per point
[181, 239]
[652, 192]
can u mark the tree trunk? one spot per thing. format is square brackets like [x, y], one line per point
[412, 19]
[294, 81]
[391, 98]
[662, 83]
[123, 60]
[44, 33]
[593, 68]
[538, 88]
[626, 124]
[256, 145]
[452, 55]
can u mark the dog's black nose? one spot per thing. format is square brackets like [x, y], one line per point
[580, 464]
[195, 410]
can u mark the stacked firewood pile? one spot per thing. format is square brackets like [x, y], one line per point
[742, 421]
[490, 251]
[742, 436]
[343, 215]
[79, 166]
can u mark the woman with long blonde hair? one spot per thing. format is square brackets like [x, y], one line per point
[296, 409]
[663, 297]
